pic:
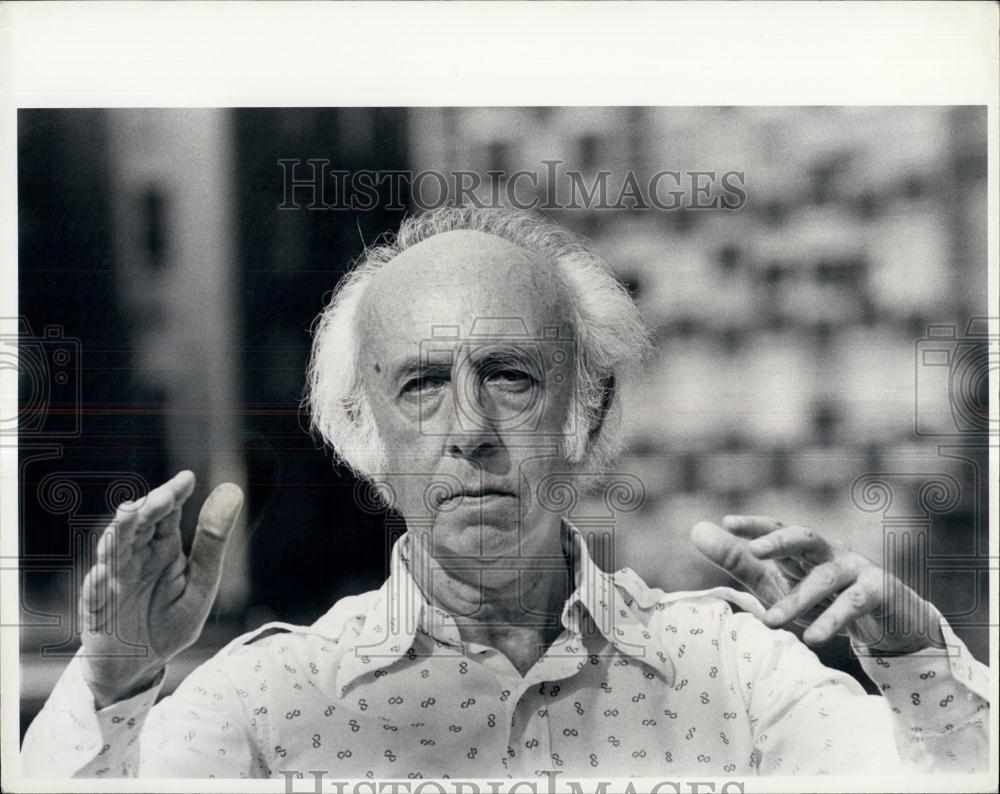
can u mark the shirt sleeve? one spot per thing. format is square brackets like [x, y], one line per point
[71, 737]
[809, 719]
[201, 730]
[939, 699]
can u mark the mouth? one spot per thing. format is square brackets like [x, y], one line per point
[476, 496]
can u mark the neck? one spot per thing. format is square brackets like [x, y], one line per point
[515, 611]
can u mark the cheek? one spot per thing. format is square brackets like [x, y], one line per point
[399, 429]
[412, 460]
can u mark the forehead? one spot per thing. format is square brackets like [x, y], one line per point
[457, 279]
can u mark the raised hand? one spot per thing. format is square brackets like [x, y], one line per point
[817, 582]
[144, 601]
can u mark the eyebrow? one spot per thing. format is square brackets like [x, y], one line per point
[495, 355]
[416, 365]
[501, 356]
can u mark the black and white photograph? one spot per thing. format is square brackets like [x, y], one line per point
[474, 446]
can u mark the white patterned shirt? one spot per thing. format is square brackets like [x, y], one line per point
[640, 683]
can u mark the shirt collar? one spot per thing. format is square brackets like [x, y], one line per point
[607, 602]
[388, 630]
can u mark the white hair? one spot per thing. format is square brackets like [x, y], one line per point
[609, 335]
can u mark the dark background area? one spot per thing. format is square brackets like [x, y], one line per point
[307, 543]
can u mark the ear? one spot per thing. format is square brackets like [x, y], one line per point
[607, 399]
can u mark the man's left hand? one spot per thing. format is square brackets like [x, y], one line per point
[805, 578]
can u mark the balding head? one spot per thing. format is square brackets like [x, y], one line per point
[454, 279]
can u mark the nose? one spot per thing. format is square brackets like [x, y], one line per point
[473, 432]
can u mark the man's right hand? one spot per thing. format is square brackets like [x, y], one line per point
[144, 601]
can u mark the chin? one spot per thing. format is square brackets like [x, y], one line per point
[482, 539]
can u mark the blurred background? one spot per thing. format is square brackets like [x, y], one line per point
[814, 362]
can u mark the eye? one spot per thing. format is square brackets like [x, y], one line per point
[511, 379]
[423, 384]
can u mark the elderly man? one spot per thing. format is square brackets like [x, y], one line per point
[462, 368]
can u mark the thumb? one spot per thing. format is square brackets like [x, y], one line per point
[728, 552]
[215, 525]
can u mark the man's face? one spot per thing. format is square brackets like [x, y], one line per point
[468, 363]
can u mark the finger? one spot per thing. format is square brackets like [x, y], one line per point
[857, 601]
[728, 552]
[169, 525]
[153, 507]
[167, 538]
[215, 523]
[173, 493]
[792, 542]
[165, 549]
[792, 567]
[107, 546]
[170, 522]
[122, 526]
[160, 501]
[94, 596]
[751, 526]
[823, 581]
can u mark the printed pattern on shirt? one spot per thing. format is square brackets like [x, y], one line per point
[639, 683]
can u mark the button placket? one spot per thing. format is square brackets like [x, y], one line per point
[529, 740]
